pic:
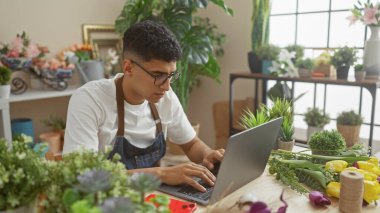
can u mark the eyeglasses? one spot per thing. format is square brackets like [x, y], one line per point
[160, 79]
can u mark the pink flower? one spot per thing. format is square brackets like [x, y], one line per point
[17, 44]
[32, 51]
[13, 54]
[369, 16]
[352, 19]
[318, 199]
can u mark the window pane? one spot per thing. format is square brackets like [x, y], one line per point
[283, 6]
[282, 30]
[312, 30]
[342, 34]
[312, 5]
[342, 4]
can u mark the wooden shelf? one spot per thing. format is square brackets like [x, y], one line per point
[34, 94]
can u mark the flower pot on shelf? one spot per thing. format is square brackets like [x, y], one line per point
[360, 75]
[254, 62]
[54, 141]
[304, 73]
[285, 145]
[349, 133]
[16, 63]
[342, 72]
[5, 91]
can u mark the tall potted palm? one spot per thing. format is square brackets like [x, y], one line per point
[198, 38]
[259, 33]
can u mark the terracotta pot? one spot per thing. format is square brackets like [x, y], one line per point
[349, 133]
[285, 145]
[174, 148]
[54, 141]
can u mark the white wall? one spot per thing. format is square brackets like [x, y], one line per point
[57, 24]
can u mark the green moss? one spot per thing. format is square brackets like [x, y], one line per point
[327, 143]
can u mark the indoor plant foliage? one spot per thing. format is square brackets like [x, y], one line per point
[327, 143]
[5, 77]
[298, 49]
[359, 72]
[316, 117]
[23, 175]
[305, 67]
[349, 118]
[342, 59]
[197, 39]
[267, 54]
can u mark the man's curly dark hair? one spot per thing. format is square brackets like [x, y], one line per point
[150, 40]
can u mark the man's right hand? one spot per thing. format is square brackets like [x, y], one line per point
[184, 173]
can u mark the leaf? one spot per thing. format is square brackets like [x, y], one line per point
[221, 4]
[197, 46]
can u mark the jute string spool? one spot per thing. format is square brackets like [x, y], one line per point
[351, 192]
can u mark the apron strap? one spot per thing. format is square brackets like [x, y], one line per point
[120, 106]
[120, 109]
[156, 118]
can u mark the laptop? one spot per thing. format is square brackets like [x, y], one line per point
[245, 159]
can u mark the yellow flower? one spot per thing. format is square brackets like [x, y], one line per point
[333, 189]
[371, 191]
[367, 175]
[336, 165]
[374, 160]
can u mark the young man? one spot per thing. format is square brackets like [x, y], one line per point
[135, 112]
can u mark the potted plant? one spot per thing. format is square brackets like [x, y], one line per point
[348, 124]
[5, 77]
[327, 142]
[298, 49]
[267, 54]
[305, 67]
[342, 59]
[286, 140]
[316, 119]
[54, 138]
[260, 32]
[249, 120]
[23, 177]
[359, 72]
[323, 67]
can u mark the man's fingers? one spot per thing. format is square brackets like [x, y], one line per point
[190, 181]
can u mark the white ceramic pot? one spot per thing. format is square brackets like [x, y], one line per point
[371, 57]
[360, 75]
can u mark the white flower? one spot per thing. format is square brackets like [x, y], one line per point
[112, 56]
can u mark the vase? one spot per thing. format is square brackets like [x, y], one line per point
[92, 70]
[371, 57]
[254, 62]
[342, 72]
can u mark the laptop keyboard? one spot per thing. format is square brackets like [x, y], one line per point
[192, 192]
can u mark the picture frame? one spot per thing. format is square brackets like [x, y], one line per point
[101, 38]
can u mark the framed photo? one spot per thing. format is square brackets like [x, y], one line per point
[102, 38]
[100, 48]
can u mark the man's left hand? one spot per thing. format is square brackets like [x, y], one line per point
[211, 157]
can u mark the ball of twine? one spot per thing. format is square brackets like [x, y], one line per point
[351, 192]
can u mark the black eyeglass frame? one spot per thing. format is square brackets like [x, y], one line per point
[174, 74]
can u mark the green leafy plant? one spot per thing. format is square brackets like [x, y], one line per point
[323, 59]
[327, 143]
[349, 118]
[316, 117]
[287, 130]
[307, 63]
[298, 49]
[196, 36]
[249, 120]
[268, 52]
[23, 176]
[5, 75]
[260, 24]
[359, 67]
[344, 57]
[56, 123]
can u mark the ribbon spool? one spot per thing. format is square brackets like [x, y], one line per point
[351, 192]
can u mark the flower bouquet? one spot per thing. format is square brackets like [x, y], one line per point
[367, 13]
[19, 54]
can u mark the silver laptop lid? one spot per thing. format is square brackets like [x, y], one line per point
[246, 157]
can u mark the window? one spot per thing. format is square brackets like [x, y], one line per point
[318, 25]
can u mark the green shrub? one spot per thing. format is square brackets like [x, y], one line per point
[358, 67]
[344, 57]
[316, 117]
[5, 75]
[305, 63]
[327, 143]
[268, 52]
[350, 118]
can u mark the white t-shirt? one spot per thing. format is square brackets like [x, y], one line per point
[92, 119]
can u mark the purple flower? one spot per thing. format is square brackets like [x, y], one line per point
[259, 207]
[318, 199]
[282, 209]
[378, 179]
[356, 165]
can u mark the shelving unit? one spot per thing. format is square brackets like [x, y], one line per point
[370, 85]
[29, 95]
